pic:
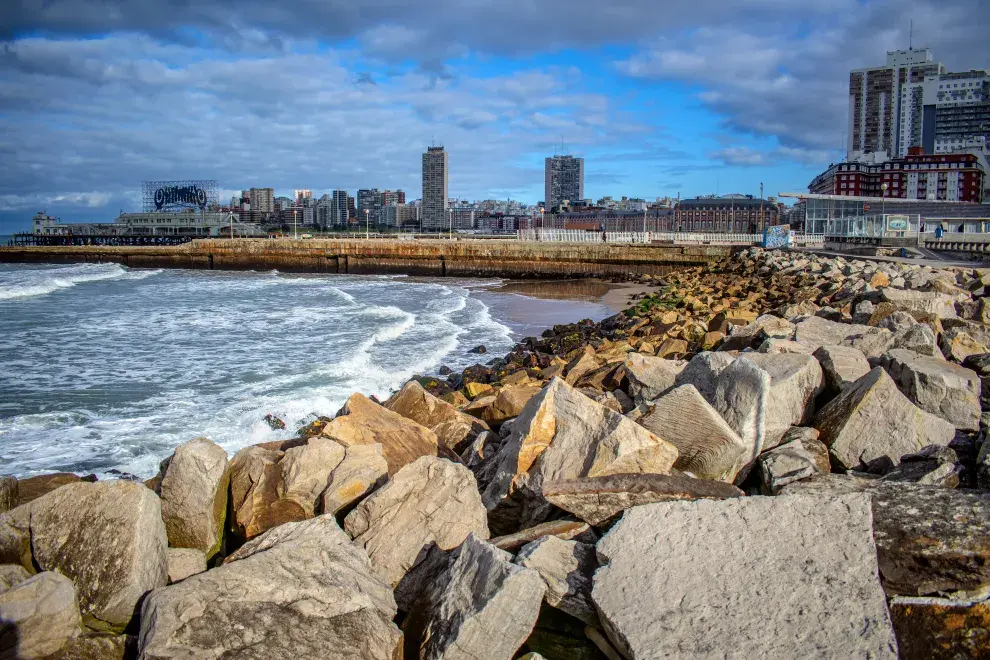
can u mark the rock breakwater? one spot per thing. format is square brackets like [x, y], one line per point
[783, 457]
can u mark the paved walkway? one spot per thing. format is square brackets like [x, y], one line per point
[927, 258]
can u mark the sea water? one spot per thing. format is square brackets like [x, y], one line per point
[105, 368]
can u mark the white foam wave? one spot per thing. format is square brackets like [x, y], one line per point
[40, 282]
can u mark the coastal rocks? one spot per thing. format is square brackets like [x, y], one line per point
[109, 539]
[194, 496]
[707, 447]
[184, 562]
[918, 338]
[841, 365]
[932, 466]
[362, 470]
[482, 606]
[563, 434]
[957, 344]
[814, 562]
[562, 529]
[301, 590]
[872, 420]
[702, 371]
[453, 428]
[792, 461]
[364, 422]
[752, 335]
[598, 500]
[566, 567]
[936, 386]
[32, 488]
[305, 471]
[941, 628]
[740, 397]
[38, 616]
[8, 492]
[649, 377]
[932, 302]
[795, 381]
[254, 480]
[430, 501]
[815, 331]
[582, 364]
[11, 575]
[508, 403]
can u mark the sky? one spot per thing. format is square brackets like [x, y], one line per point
[660, 98]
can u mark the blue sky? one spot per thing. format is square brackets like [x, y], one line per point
[680, 97]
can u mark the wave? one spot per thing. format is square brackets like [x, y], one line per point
[40, 282]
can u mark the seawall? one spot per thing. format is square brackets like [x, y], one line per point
[438, 258]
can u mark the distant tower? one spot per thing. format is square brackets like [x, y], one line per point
[563, 180]
[434, 211]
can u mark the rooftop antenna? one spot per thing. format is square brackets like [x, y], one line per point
[911, 36]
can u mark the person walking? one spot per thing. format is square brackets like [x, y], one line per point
[938, 232]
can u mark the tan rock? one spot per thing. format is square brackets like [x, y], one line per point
[8, 492]
[456, 399]
[184, 562]
[958, 345]
[12, 575]
[361, 472]
[566, 530]
[474, 390]
[39, 615]
[430, 501]
[672, 347]
[508, 403]
[194, 496]
[364, 422]
[650, 377]
[583, 363]
[305, 471]
[477, 407]
[453, 428]
[255, 477]
[879, 280]
[31, 488]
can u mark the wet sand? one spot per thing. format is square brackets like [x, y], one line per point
[615, 296]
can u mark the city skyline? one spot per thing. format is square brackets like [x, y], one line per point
[658, 103]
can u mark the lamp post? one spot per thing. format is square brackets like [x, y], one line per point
[883, 200]
[450, 215]
[366, 236]
[295, 228]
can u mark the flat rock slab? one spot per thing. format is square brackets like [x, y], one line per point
[362, 471]
[929, 539]
[936, 386]
[598, 500]
[302, 590]
[941, 628]
[815, 331]
[755, 577]
[561, 529]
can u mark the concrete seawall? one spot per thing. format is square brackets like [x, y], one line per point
[462, 258]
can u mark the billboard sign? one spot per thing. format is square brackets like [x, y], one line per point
[165, 196]
[777, 236]
[897, 222]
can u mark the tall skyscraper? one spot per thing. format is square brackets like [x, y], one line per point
[303, 194]
[434, 209]
[563, 180]
[370, 200]
[338, 208]
[262, 199]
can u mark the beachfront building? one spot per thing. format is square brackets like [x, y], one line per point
[434, 205]
[563, 181]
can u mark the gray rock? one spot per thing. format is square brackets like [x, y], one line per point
[194, 496]
[649, 377]
[752, 335]
[8, 492]
[702, 372]
[38, 616]
[775, 346]
[362, 471]
[12, 575]
[305, 471]
[566, 567]
[108, 537]
[300, 590]
[566, 530]
[932, 302]
[816, 331]
[872, 421]
[786, 464]
[707, 447]
[918, 338]
[184, 562]
[936, 386]
[484, 606]
[690, 579]
[872, 344]
[431, 500]
[598, 500]
[929, 539]
[897, 321]
[841, 365]
[932, 466]
[983, 466]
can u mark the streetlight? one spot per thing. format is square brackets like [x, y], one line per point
[295, 229]
[450, 214]
[883, 200]
[366, 236]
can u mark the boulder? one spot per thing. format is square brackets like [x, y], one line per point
[566, 567]
[788, 463]
[563, 434]
[983, 466]
[8, 492]
[748, 577]
[932, 466]
[109, 539]
[649, 377]
[566, 530]
[816, 331]
[184, 562]
[482, 606]
[508, 403]
[872, 344]
[452, 427]
[305, 472]
[364, 422]
[872, 421]
[957, 344]
[15, 538]
[599, 500]
[430, 501]
[841, 365]
[38, 616]
[583, 363]
[98, 646]
[894, 321]
[702, 372]
[707, 447]
[194, 496]
[773, 345]
[301, 590]
[936, 386]
[362, 471]
[474, 390]
[255, 476]
[918, 338]
[980, 363]
[929, 539]
[752, 335]
[12, 575]
[932, 302]
[32, 488]
[941, 628]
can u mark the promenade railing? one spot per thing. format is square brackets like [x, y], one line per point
[674, 237]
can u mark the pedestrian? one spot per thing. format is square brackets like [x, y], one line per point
[938, 232]
[922, 228]
[604, 237]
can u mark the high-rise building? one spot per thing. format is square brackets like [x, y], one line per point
[434, 207]
[351, 208]
[370, 200]
[323, 211]
[262, 200]
[563, 180]
[393, 197]
[303, 194]
[962, 112]
[338, 211]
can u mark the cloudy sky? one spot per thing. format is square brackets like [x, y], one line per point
[661, 98]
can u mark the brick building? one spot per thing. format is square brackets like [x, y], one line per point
[949, 177]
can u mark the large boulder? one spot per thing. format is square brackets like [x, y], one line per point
[918, 338]
[795, 381]
[929, 539]
[305, 471]
[752, 335]
[364, 422]
[109, 539]
[815, 331]
[255, 476]
[362, 471]
[302, 590]
[566, 567]
[936, 386]
[760, 576]
[649, 377]
[482, 606]
[31, 488]
[38, 616]
[430, 501]
[12, 575]
[184, 562]
[599, 500]
[702, 372]
[841, 365]
[872, 421]
[707, 447]
[941, 628]
[941, 305]
[562, 434]
[194, 496]
[508, 403]
[452, 427]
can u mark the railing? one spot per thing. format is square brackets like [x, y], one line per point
[682, 238]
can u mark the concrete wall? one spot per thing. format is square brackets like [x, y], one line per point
[463, 258]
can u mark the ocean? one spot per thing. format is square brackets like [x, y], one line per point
[104, 368]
